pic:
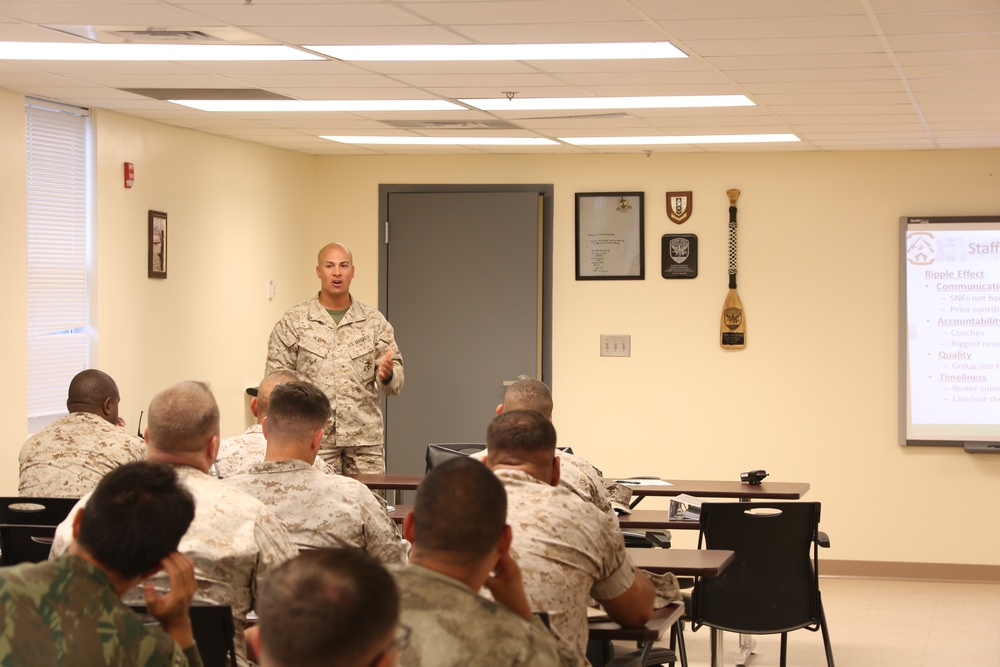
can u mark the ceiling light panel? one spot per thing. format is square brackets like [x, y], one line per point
[472, 52]
[147, 52]
[442, 141]
[649, 102]
[319, 105]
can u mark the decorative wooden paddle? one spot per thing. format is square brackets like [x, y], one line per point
[734, 326]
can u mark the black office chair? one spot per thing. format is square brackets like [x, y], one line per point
[439, 453]
[213, 630]
[27, 526]
[773, 584]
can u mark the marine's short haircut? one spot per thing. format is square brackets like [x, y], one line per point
[525, 434]
[529, 395]
[267, 385]
[297, 408]
[460, 511]
[182, 417]
[89, 388]
[136, 517]
[326, 608]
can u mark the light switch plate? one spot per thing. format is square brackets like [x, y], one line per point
[616, 345]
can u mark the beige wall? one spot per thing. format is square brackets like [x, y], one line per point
[812, 398]
[235, 211]
[814, 395]
[14, 276]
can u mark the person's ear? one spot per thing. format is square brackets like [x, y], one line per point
[77, 518]
[410, 528]
[253, 407]
[106, 406]
[499, 409]
[505, 539]
[212, 449]
[316, 440]
[555, 472]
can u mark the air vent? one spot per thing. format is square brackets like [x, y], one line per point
[187, 34]
[165, 35]
[451, 124]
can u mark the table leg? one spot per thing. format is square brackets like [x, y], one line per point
[716, 643]
[747, 646]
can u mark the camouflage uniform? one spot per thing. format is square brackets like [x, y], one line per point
[342, 360]
[454, 627]
[236, 454]
[66, 612]
[233, 541]
[568, 551]
[323, 510]
[67, 458]
[579, 476]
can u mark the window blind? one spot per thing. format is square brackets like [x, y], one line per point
[57, 181]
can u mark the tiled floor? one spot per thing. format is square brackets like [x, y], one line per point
[883, 622]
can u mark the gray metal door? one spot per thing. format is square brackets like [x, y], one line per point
[463, 289]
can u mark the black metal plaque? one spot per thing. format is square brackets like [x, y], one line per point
[680, 255]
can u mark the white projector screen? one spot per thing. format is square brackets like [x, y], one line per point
[949, 331]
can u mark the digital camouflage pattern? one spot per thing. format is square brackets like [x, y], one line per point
[568, 550]
[579, 476]
[454, 627]
[323, 510]
[65, 612]
[342, 360]
[233, 541]
[238, 453]
[67, 458]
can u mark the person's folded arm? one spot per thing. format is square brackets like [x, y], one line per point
[634, 607]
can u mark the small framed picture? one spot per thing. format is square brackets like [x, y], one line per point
[157, 244]
[610, 243]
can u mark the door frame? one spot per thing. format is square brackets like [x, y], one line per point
[546, 191]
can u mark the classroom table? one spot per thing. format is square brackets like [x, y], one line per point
[701, 488]
[640, 520]
[637, 521]
[693, 487]
[682, 562]
[395, 483]
[601, 628]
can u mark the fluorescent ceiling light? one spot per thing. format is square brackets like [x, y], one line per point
[319, 105]
[204, 52]
[692, 139]
[428, 52]
[445, 141]
[647, 102]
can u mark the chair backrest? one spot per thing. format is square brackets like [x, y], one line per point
[27, 526]
[439, 453]
[772, 585]
[213, 630]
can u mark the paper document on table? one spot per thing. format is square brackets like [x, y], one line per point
[685, 508]
[643, 482]
[597, 614]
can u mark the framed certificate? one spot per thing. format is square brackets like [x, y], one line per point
[610, 243]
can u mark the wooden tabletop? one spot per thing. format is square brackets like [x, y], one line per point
[719, 489]
[683, 562]
[693, 487]
[654, 520]
[636, 521]
[600, 627]
[398, 482]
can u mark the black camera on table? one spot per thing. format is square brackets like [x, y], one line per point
[753, 476]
